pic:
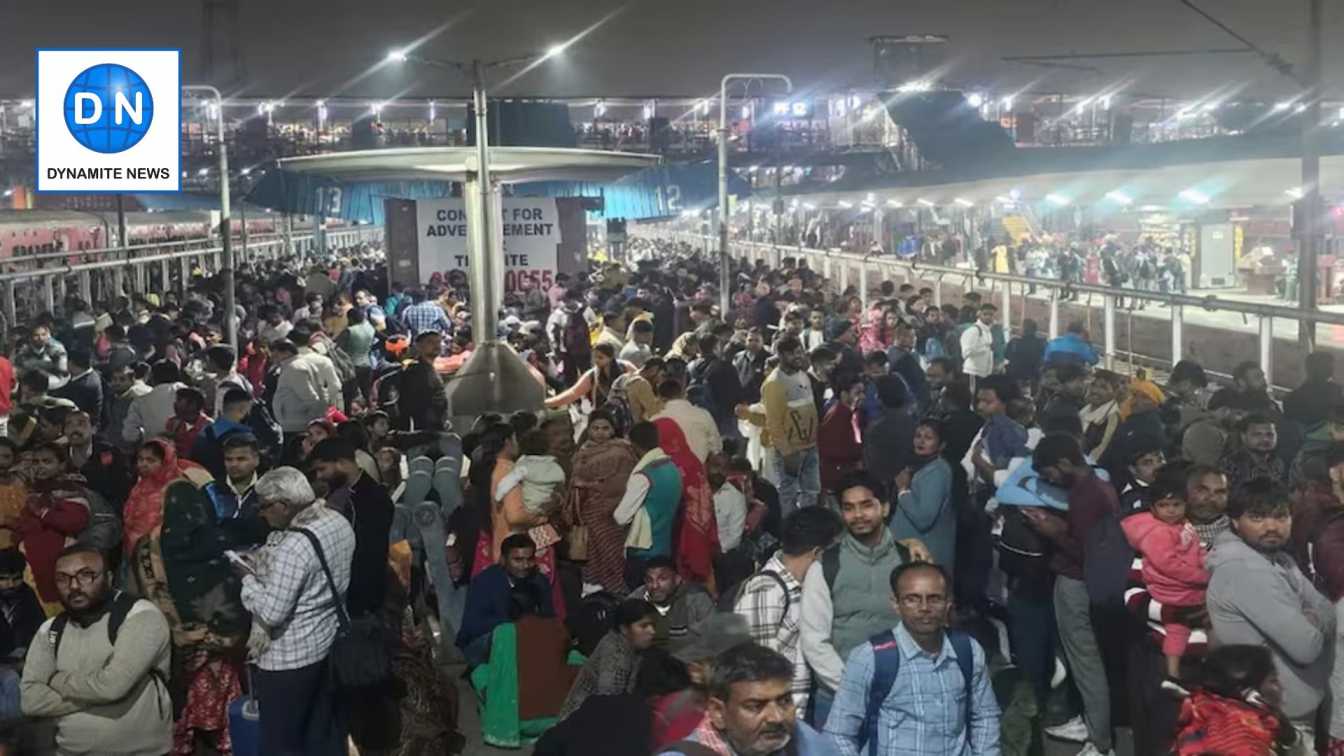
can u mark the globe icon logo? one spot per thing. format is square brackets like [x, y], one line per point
[108, 108]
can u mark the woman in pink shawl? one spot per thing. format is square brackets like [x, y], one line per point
[696, 534]
[878, 332]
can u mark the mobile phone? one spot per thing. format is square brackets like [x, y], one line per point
[238, 559]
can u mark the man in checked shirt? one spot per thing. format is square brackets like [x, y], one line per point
[772, 599]
[286, 591]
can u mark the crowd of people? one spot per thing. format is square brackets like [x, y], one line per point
[804, 526]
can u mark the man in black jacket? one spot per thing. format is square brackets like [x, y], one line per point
[85, 387]
[422, 400]
[365, 503]
[718, 382]
[103, 465]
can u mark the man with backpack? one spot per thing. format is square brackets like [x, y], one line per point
[1059, 459]
[714, 385]
[897, 695]
[771, 599]
[100, 668]
[845, 597]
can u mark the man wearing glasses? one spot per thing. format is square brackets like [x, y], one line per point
[937, 696]
[100, 668]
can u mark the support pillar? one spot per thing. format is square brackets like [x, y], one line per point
[1108, 312]
[1053, 328]
[1267, 348]
[1006, 307]
[1177, 337]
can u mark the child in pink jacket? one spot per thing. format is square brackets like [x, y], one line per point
[1173, 566]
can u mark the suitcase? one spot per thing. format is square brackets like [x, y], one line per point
[245, 722]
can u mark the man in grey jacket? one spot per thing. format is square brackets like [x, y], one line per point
[106, 696]
[1258, 595]
[846, 593]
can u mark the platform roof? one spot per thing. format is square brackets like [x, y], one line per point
[508, 165]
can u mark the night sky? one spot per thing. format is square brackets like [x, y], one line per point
[682, 47]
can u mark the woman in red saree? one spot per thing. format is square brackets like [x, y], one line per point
[601, 469]
[696, 534]
[158, 465]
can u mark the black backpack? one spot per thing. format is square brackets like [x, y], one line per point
[1107, 560]
[830, 562]
[116, 616]
[1023, 552]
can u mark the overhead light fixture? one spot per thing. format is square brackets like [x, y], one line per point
[203, 172]
[1119, 197]
[809, 206]
[844, 205]
[1282, 106]
[555, 50]
[1210, 107]
[1057, 199]
[7, 193]
[1005, 199]
[1195, 196]
[1300, 107]
[245, 171]
[915, 86]
[894, 203]
[1295, 193]
[1152, 208]
[781, 108]
[396, 56]
[964, 202]
[924, 202]
[975, 99]
[799, 109]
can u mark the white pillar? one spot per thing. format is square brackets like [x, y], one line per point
[1007, 307]
[1267, 348]
[1109, 330]
[1177, 337]
[1054, 313]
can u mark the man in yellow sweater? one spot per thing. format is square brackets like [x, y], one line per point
[791, 419]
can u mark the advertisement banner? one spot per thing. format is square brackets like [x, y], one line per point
[531, 236]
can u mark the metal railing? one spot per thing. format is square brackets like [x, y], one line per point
[146, 268]
[846, 268]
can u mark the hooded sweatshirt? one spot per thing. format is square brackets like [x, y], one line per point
[1265, 600]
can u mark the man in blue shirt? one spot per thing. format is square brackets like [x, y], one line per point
[932, 706]
[1072, 347]
[424, 313]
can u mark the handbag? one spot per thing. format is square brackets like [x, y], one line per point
[358, 657]
[576, 540]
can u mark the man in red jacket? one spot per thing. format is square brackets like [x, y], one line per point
[838, 436]
[57, 509]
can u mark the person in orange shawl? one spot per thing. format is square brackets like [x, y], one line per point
[157, 464]
[1234, 711]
